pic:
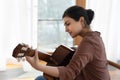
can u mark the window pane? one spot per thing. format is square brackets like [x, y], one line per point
[53, 8]
[51, 32]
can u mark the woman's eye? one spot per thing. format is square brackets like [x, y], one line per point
[67, 24]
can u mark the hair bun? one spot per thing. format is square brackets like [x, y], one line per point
[90, 14]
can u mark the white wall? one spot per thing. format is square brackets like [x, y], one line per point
[107, 21]
[18, 24]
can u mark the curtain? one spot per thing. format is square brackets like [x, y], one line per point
[106, 20]
[17, 25]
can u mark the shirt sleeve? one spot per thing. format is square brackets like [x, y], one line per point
[82, 56]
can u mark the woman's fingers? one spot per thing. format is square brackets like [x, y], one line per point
[36, 54]
[28, 59]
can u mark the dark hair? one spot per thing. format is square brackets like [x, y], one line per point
[76, 12]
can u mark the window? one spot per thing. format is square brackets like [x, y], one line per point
[51, 32]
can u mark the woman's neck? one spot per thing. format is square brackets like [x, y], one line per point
[85, 31]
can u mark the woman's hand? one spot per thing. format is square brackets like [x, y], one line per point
[34, 61]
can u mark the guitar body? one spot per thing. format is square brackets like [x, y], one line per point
[60, 57]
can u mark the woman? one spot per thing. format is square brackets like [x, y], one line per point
[89, 61]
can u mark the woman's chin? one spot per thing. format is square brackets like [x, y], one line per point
[73, 36]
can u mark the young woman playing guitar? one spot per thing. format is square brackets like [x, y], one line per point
[89, 60]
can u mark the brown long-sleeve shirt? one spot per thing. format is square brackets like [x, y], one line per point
[88, 62]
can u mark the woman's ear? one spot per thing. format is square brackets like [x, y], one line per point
[82, 21]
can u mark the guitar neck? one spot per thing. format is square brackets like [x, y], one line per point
[41, 55]
[44, 56]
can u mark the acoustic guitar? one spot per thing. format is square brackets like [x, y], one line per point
[60, 57]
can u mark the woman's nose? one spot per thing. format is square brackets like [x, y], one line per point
[67, 29]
